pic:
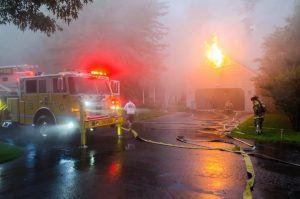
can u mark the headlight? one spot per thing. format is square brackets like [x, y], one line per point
[87, 103]
[70, 125]
[115, 107]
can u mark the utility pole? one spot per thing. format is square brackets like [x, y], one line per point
[143, 95]
[154, 100]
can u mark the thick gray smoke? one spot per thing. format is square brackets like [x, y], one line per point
[240, 26]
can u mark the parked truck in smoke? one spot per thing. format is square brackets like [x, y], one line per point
[66, 100]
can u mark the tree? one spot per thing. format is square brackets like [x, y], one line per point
[280, 68]
[39, 15]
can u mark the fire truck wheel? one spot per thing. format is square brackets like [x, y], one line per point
[44, 124]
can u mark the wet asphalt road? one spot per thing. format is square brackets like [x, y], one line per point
[113, 167]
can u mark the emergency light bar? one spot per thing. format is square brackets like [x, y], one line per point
[98, 73]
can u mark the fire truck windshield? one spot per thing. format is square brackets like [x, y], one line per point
[82, 85]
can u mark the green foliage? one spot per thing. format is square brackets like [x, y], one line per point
[9, 152]
[271, 131]
[280, 69]
[39, 15]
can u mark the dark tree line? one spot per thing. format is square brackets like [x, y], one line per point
[39, 15]
[280, 69]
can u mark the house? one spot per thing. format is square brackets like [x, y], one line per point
[211, 88]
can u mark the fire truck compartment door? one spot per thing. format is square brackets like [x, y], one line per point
[44, 93]
[60, 104]
[31, 104]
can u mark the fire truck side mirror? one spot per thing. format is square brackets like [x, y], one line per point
[60, 84]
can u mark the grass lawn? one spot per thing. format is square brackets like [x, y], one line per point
[9, 152]
[271, 130]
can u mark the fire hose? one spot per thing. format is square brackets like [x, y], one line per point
[262, 155]
[236, 150]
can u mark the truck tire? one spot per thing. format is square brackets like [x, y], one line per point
[44, 125]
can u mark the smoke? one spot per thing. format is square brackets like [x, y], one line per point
[129, 38]
[123, 37]
[240, 26]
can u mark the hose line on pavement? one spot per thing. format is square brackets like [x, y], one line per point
[249, 167]
[237, 150]
[263, 156]
[245, 152]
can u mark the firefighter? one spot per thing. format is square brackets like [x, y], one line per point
[259, 112]
[228, 107]
[130, 110]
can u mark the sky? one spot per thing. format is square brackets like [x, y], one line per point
[240, 25]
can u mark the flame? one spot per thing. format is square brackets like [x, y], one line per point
[214, 53]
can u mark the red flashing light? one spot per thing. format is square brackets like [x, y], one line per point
[98, 73]
[115, 104]
[29, 73]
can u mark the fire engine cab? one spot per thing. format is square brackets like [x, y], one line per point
[67, 100]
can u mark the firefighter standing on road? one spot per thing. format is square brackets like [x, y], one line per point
[130, 112]
[259, 112]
